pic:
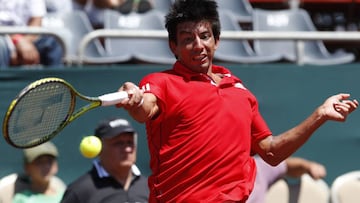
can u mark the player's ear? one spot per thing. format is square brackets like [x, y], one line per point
[217, 42]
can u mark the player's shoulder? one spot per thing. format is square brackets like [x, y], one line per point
[163, 73]
[160, 76]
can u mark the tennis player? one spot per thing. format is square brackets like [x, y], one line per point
[203, 124]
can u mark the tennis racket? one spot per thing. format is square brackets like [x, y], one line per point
[43, 108]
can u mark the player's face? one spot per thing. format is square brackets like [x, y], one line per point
[119, 151]
[195, 46]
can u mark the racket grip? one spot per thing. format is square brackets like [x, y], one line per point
[113, 98]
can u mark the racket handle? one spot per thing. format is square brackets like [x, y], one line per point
[113, 98]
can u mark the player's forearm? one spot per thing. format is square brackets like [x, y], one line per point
[139, 114]
[146, 110]
[285, 144]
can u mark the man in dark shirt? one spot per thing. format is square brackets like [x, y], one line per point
[114, 176]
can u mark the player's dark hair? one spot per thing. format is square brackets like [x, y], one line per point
[192, 11]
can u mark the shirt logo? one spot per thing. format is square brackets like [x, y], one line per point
[145, 87]
[240, 86]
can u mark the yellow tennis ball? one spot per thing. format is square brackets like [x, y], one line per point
[90, 146]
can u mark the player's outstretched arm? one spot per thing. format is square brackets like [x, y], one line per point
[275, 149]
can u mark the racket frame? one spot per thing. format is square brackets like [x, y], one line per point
[71, 115]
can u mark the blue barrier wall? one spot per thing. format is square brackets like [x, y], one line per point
[287, 93]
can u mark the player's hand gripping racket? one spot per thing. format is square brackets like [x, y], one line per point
[44, 108]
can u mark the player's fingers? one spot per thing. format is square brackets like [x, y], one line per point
[342, 96]
[348, 105]
[127, 86]
[123, 103]
[342, 109]
[136, 96]
[354, 104]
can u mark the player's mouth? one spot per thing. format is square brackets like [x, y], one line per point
[200, 58]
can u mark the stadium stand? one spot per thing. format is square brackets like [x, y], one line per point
[238, 51]
[313, 52]
[327, 15]
[305, 191]
[346, 187]
[74, 26]
[162, 5]
[138, 49]
[242, 9]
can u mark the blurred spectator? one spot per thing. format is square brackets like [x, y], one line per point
[39, 183]
[4, 51]
[140, 6]
[114, 176]
[58, 6]
[293, 167]
[95, 8]
[29, 49]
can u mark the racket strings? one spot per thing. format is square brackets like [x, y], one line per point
[39, 113]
